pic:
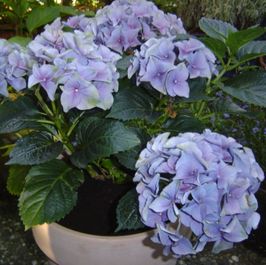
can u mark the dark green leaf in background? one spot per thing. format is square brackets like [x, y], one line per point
[127, 212]
[216, 29]
[237, 39]
[197, 91]
[252, 50]
[41, 16]
[184, 123]
[218, 47]
[249, 87]
[132, 103]
[14, 114]
[16, 178]
[226, 105]
[129, 158]
[23, 41]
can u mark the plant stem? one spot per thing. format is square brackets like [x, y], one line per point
[75, 123]
[56, 120]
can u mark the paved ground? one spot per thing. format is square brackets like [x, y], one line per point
[17, 246]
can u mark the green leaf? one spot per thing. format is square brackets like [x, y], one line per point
[16, 179]
[226, 106]
[14, 115]
[23, 41]
[35, 149]
[237, 39]
[127, 212]
[216, 29]
[89, 13]
[216, 46]
[132, 103]
[124, 62]
[49, 193]
[67, 10]
[122, 65]
[98, 138]
[184, 123]
[252, 50]
[129, 158]
[248, 87]
[41, 16]
[197, 91]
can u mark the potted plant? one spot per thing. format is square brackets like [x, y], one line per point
[90, 98]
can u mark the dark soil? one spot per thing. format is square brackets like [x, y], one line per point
[95, 212]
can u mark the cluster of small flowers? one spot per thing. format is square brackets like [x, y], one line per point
[126, 24]
[15, 64]
[84, 71]
[203, 181]
[168, 64]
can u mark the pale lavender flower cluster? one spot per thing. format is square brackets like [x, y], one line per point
[15, 64]
[84, 71]
[205, 182]
[167, 64]
[126, 24]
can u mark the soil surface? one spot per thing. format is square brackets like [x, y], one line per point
[95, 212]
[18, 248]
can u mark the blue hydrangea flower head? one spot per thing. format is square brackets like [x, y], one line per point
[72, 64]
[167, 64]
[205, 182]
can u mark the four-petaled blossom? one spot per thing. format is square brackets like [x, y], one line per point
[80, 94]
[176, 81]
[203, 181]
[45, 76]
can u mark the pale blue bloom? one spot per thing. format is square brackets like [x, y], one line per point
[204, 181]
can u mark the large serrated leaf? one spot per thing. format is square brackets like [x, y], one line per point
[15, 115]
[249, 87]
[16, 179]
[237, 39]
[252, 50]
[35, 149]
[132, 104]
[41, 16]
[127, 212]
[100, 138]
[49, 193]
[216, 29]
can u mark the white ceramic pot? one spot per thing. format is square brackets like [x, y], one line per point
[67, 247]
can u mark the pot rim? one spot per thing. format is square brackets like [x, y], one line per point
[77, 233]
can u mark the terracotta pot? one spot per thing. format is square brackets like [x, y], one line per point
[67, 247]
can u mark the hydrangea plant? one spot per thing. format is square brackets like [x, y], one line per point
[87, 94]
